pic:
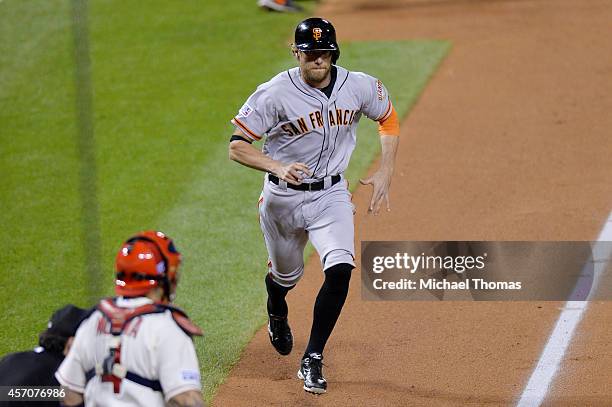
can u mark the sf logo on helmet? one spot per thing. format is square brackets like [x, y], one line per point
[316, 33]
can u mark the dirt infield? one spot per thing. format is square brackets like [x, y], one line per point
[510, 141]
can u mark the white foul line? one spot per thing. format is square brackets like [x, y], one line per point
[542, 376]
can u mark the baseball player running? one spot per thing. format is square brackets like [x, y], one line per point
[136, 349]
[309, 116]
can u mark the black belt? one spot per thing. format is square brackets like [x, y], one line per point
[313, 186]
[154, 385]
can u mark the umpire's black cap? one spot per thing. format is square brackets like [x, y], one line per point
[66, 320]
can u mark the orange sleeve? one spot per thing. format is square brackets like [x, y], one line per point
[390, 125]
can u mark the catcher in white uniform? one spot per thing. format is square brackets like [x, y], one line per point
[309, 116]
[136, 349]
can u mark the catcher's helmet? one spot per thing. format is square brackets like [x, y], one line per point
[146, 260]
[317, 34]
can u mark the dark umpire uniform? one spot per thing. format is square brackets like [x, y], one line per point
[37, 367]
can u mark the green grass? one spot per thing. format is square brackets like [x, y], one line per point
[42, 261]
[166, 78]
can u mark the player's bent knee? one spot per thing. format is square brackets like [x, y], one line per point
[336, 257]
[287, 280]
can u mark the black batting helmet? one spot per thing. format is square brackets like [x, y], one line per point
[317, 34]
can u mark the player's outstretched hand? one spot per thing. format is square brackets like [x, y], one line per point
[293, 173]
[380, 181]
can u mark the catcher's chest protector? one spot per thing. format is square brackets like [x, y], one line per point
[117, 321]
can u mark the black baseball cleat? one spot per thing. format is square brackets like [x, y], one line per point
[311, 371]
[280, 334]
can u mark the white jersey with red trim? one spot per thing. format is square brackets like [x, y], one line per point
[301, 124]
[153, 347]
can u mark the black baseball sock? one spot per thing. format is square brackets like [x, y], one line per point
[277, 305]
[328, 306]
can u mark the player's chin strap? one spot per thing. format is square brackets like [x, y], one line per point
[111, 369]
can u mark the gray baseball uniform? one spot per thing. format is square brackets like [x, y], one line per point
[301, 124]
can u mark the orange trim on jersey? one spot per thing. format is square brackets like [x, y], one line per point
[387, 112]
[390, 125]
[245, 129]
